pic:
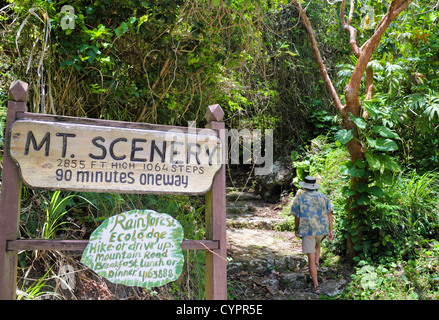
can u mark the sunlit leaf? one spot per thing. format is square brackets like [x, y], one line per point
[344, 136]
[383, 144]
[385, 132]
[373, 161]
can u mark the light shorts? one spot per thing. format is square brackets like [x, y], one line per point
[309, 243]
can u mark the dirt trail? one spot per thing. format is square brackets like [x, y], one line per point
[265, 262]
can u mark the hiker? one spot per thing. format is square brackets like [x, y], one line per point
[312, 213]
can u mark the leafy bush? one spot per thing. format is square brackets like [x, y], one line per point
[415, 279]
[408, 214]
[401, 215]
[396, 224]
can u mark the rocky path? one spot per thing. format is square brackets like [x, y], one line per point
[265, 258]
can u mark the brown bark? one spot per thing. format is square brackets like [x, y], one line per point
[316, 51]
[364, 54]
[347, 26]
[366, 51]
[370, 89]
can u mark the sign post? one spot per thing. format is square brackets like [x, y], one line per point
[216, 262]
[10, 197]
[79, 154]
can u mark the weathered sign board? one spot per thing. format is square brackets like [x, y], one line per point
[71, 156]
[137, 248]
[79, 154]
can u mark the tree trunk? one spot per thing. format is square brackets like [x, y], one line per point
[353, 105]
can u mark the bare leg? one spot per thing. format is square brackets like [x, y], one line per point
[313, 268]
[317, 255]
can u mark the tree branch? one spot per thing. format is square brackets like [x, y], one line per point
[370, 88]
[363, 54]
[326, 79]
[347, 26]
[367, 50]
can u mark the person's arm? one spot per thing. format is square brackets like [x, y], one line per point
[330, 235]
[295, 210]
[296, 226]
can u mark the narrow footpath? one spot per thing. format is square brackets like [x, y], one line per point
[265, 258]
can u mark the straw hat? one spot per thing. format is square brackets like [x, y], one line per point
[309, 183]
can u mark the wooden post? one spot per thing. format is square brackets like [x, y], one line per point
[10, 197]
[216, 260]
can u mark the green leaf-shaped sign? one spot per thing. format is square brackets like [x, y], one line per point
[137, 248]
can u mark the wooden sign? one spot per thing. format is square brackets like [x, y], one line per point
[137, 248]
[82, 157]
[58, 152]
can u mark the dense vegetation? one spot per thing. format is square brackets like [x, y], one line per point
[163, 61]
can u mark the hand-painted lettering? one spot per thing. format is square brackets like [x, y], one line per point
[112, 149]
[104, 151]
[161, 153]
[64, 141]
[31, 138]
[135, 148]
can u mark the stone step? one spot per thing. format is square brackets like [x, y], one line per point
[254, 223]
[265, 255]
[286, 263]
[242, 196]
[298, 285]
[243, 211]
[242, 203]
[239, 208]
[286, 276]
[290, 280]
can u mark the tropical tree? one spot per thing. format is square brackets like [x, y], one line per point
[353, 114]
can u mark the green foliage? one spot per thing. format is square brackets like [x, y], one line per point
[415, 279]
[165, 61]
[399, 217]
[322, 159]
[416, 216]
[58, 206]
[318, 159]
[415, 118]
[56, 209]
[35, 290]
[188, 210]
[402, 112]
[400, 210]
[370, 173]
